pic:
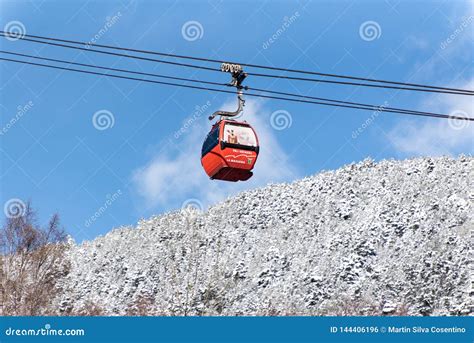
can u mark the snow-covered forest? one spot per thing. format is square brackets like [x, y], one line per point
[368, 239]
[386, 238]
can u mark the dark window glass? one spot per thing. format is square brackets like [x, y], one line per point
[211, 141]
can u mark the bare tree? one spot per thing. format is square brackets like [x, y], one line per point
[30, 264]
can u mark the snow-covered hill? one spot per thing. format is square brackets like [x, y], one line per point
[387, 238]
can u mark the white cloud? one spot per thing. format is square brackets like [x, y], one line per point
[431, 136]
[175, 173]
[438, 136]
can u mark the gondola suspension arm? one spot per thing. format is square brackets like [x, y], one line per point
[238, 76]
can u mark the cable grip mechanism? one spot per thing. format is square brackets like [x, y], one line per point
[238, 76]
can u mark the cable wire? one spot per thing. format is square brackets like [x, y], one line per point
[12, 34]
[113, 69]
[464, 92]
[116, 54]
[207, 82]
[380, 109]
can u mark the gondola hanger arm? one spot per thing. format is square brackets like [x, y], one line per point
[238, 76]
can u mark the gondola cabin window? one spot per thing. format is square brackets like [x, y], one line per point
[239, 135]
[211, 141]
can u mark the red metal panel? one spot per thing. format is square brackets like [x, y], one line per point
[229, 164]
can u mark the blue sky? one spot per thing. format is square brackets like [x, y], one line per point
[147, 162]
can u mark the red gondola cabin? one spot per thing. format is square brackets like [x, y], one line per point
[230, 151]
